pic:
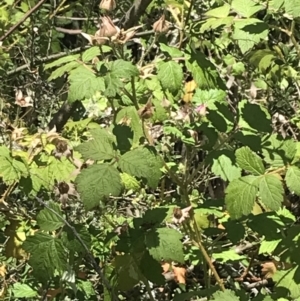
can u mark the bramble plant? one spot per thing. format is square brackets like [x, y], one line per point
[151, 154]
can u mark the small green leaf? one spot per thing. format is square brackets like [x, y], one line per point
[23, 291]
[249, 161]
[142, 162]
[97, 182]
[170, 76]
[112, 85]
[271, 191]
[268, 247]
[63, 60]
[219, 12]
[63, 69]
[229, 255]
[292, 179]
[130, 182]
[90, 53]
[99, 148]
[172, 51]
[165, 244]
[240, 196]
[49, 221]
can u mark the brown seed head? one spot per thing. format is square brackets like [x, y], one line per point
[161, 26]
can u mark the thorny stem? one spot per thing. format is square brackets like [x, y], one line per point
[90, 255]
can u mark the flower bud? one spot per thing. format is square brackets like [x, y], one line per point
[108, 5]
[161, 26]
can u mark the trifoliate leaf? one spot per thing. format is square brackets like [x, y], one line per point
[170, 75]
[99, 148]
[292, 179]
[249, 161]
[22, 290]
[227, 295]
[47, 255]
[97, 182]
[223, 167]
[240, 196]
[271, 191]
[49, 221]
[165, 244]
[142, 162]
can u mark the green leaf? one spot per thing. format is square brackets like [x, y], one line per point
[235, 231]
[227, 295]
[97, 182]
[142, 162]
[240, 196]
[292, 179]
[47, 220]
[63, 69]
[99, 148]
[246, 8]
[172, 51]
[165, 244]
[219, 12]
[47, 255]
[84, 84]
[151, 269]
[271, 191]
[229, 255]
[129, 116]
[170, 76]
[123, 69]
[249, 161]
[130, 182]
[249, 32]
[268, 247]
[223, 167]
[292, 7]
[12, 169]
[63, 60]
[23, 291]
[112, 85]
[90, 53]
[286, 280]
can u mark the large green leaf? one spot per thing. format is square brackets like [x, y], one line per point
[249, 161]
[90, 53]
[123, 69]
[271, 191]
[292, 179]
[99, 148]
[97, 182]
[292, 7]
[47, 255]
[49, 221]
[246, 8]
[227, 295]
[142, 162]
[165, 244]
[170, 76]
[22, 290]
[240, 196]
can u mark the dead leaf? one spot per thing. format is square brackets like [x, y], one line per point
[268, 269]
[189, 89]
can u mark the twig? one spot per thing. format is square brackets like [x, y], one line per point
[92, 259]
[29, 13]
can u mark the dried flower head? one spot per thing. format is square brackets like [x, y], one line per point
[147, 110]
[61, 149]
[106, 31]
[180, 215]
[22, 101]
[161, 26]
[65, 191]
[108, 5]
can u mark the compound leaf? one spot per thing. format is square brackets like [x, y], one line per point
[97, 182]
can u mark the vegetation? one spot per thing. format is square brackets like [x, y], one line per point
[149, 150]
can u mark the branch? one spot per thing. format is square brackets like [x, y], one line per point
[90, 255]
[14, 27]
[134, 13]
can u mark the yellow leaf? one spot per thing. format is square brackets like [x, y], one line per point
[189, 89]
